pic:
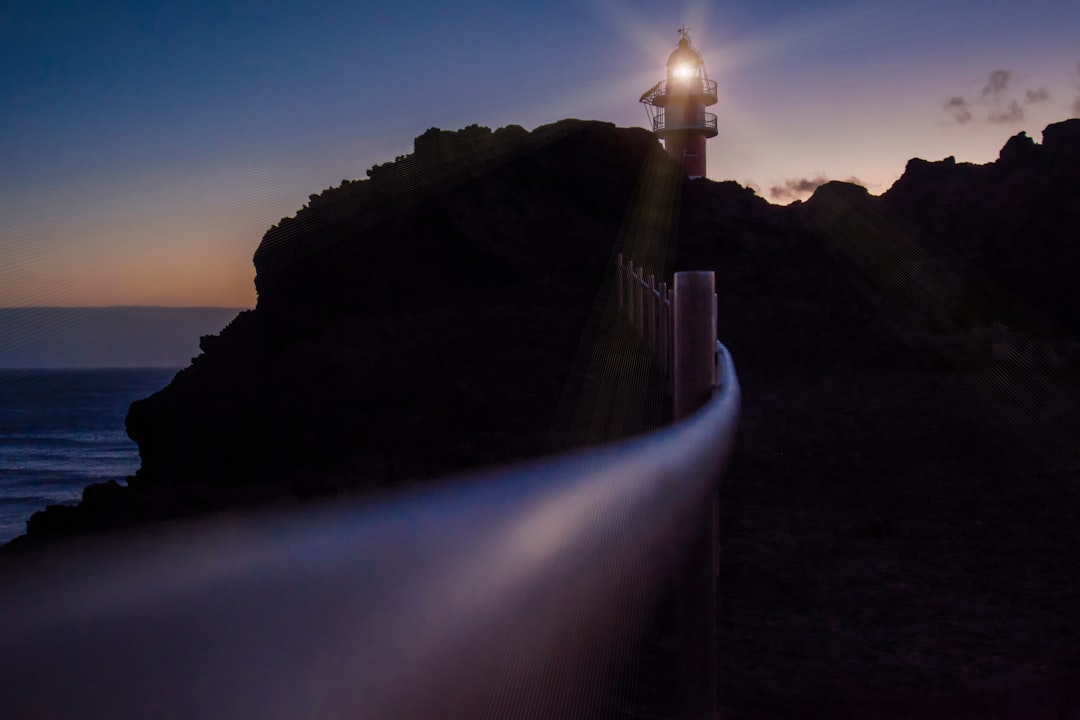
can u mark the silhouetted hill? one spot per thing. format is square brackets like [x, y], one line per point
[1014, 223]
[408, 328]
[894, 518]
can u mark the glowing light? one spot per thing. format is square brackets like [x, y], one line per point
[683, 72]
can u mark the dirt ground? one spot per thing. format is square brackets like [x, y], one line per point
[894, 546]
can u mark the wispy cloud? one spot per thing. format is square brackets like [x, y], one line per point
[795, 188]
[997, 84]
[999, 101]
[1037, 95]
[959, 108]
[1011, 113]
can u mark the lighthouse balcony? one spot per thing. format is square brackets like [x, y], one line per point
[705, 123]
[667, 90]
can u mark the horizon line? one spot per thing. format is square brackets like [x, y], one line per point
[122, 307]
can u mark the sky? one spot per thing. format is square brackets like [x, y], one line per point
[145, 146]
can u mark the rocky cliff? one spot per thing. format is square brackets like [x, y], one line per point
[1013, 224]
[424, 320]
[897, 516]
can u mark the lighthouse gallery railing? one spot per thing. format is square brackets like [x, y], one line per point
[518, 593]
[700, 121]
[658, 93]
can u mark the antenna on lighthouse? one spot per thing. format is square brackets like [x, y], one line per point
[676, 107]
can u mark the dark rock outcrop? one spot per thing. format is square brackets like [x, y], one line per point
[414, 324]
[1013, 223]
[894, 522]
[424, 320]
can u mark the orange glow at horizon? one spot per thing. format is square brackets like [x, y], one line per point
[134, 261]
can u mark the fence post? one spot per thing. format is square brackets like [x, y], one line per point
[669, 384]
[619, 280]
[695, 341]
[652, 313]
[639, 301]
[664, 328]
[695, 377]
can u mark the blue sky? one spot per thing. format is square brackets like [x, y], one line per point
[146, 146]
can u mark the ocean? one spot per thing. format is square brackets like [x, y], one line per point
[61, 430]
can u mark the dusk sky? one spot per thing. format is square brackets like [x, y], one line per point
[147, 146]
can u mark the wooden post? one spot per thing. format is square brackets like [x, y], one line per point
[695, 379]
[619, 280]
[670, 309]
[695, 341]
[639, 302]
[662, 341]
[652, 313]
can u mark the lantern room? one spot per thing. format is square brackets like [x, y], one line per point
[676, 107]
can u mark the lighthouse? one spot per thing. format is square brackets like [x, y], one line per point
[676, 107]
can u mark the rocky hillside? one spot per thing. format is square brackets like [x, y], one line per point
[1013, 225]
[424, 320]
[897, 517]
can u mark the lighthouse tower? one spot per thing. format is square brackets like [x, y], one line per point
[677, 105]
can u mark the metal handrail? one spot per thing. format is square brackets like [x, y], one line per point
[657, 94]
[513, 593]
[701, 121]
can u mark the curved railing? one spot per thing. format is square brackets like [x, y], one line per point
[516, 593]
[659, 93]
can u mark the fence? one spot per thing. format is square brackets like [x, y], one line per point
[678, 326]
[520, 592]
[647, 306]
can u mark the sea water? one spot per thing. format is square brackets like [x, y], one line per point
[61, 430]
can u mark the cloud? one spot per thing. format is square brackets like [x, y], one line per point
[795, 187]
[959, 108]
[998, 99]
[1011, 114]
[1037, 95]
[995, 93]
[1076, 107]
[997, 84]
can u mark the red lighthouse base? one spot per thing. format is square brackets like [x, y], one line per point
[688, 149]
